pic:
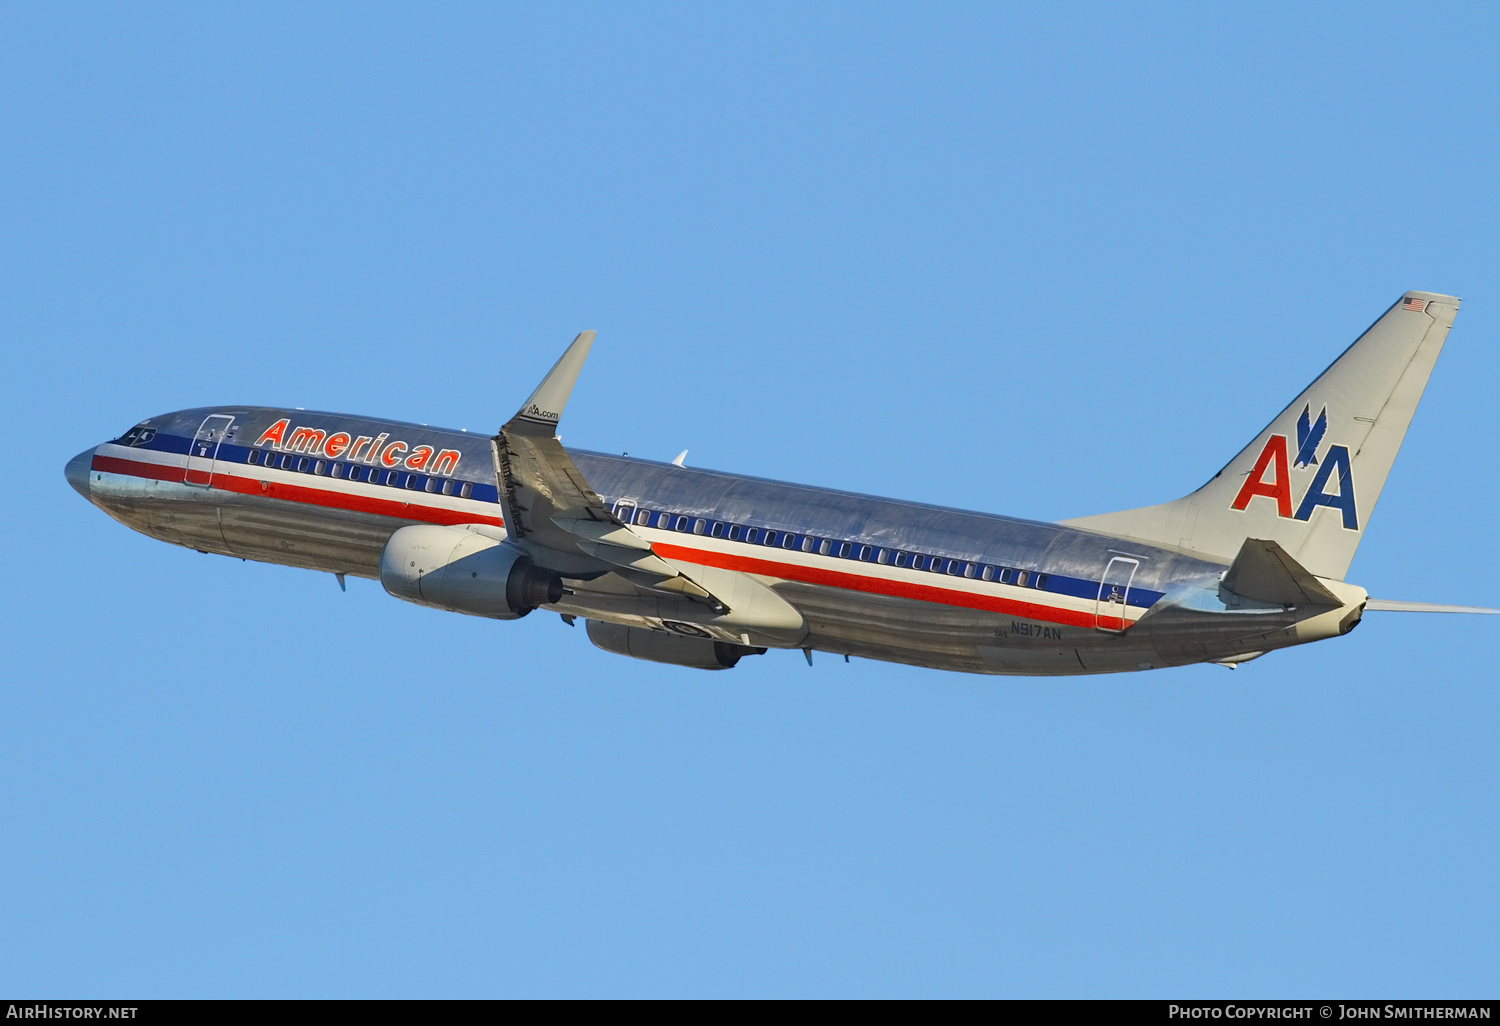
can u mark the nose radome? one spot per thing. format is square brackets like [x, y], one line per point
[77, 472]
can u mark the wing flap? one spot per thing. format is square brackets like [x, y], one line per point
[549, 505]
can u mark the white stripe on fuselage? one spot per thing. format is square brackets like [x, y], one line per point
[488, 511]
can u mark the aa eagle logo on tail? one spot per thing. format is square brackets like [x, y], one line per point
[1310, 436]
[1275, 461]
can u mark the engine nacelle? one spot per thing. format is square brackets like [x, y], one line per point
[463, 571]
[661, 647]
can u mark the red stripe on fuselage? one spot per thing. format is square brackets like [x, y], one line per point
[303, 494]
[874, 585]
[132, 468]
[702, 557]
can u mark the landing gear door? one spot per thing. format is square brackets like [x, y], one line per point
[1114, 594]
[205, 447]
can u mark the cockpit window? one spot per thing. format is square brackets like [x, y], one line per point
[138, 435]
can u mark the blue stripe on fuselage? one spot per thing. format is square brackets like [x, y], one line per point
[1081, 588]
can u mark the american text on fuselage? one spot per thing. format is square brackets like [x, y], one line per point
[700, 568]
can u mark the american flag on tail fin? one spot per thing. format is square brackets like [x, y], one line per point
[1414, 305]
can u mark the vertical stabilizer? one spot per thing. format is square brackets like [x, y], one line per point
[1310, 480]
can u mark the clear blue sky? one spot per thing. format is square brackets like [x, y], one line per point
[1040, 262]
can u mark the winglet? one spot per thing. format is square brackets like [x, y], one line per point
[545, 407]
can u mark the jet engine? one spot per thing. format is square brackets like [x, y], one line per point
[703, 653]
[462, 570]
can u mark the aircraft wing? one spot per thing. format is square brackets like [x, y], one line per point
[549, 505]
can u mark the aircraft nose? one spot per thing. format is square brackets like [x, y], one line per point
[77, 472]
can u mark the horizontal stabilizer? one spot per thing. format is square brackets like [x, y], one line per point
[1264, 572]
[1390, 606]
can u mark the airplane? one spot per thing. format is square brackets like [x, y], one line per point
[698, 568]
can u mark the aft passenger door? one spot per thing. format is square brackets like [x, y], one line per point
[205, 447]
[1114, 594]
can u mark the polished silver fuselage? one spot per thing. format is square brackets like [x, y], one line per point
[977, 592]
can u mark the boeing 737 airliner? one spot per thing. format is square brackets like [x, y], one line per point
[700, 568]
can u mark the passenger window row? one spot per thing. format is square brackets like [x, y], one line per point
[790, 540]
[357, 472]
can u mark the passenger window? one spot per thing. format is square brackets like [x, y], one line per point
[413, 482]
[843, 550]
[448, 487]
[735, 531]
[320, 468]
[699, 525]
[902, 559]
[988, 574]
[625, 513]
[1041, 580]
[254, 457]
[918, 562]
[883, 556]
[432, 484]
[1006, 577]
[1022, 577]
[770, 538]
[789, 541]
[936, 566]
[718, 530]
[643, 518]
[824, 546]
[683, 523]
[968, 569]
[466, 490]
[808, 543]
[752, 535]
[865, 552]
